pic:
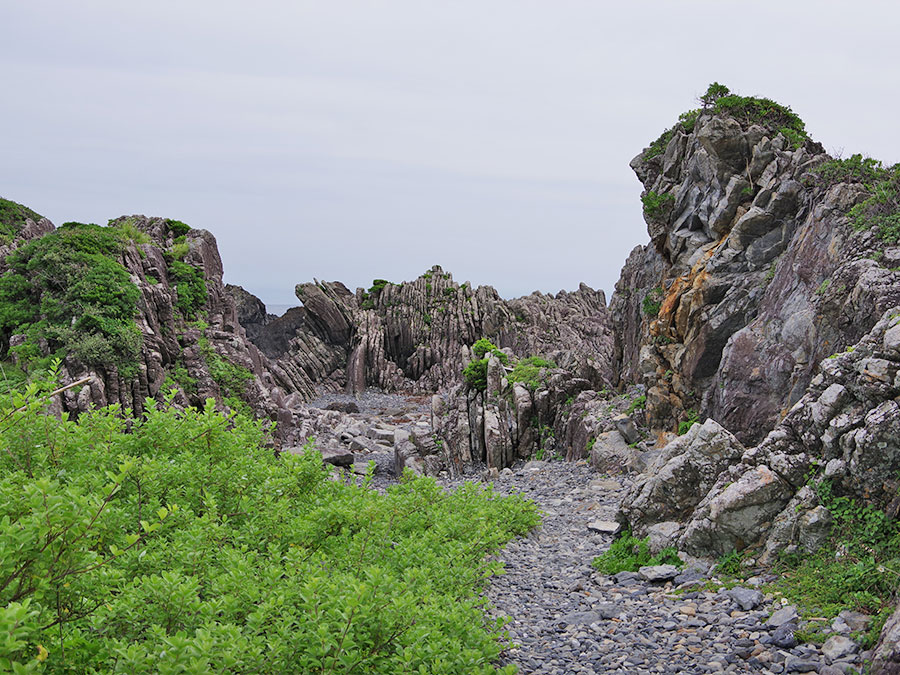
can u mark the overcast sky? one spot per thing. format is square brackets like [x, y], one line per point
[353, 140]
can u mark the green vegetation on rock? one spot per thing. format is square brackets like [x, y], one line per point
[657, 206]
[628, 554]
[69, 288]
[531, 372]
[857, 569]
[177, 228]
[747, 110]
[179, 543]
[370, 296]
[483, 346]
[475, 374]
[190, 287]
[12, 219]
[652, 302]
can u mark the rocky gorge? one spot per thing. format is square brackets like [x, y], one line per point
[749, 356]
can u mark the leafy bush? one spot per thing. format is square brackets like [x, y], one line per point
[658, 146]
[187, 546]
[369, 297]
[531, 372]
[764, 111]
[638, 403]
[190, 287]
[231, 378]
[69, 288]
[652, 302]
[475, 374]
[685, 425]
[483, 346]
[881, 210]
[854, 169]
[714, 92]
[129, 231]
[656, 205]
[177, 228]
[628, 554]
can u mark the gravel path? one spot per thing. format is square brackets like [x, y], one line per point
[568, 618]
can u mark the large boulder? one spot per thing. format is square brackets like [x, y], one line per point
[682, 474]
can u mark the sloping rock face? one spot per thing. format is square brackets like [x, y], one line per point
[752, 277]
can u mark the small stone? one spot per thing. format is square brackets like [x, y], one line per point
[604, 526]
[838, 646]
[784, 635]
[688, 610]
[795, 664]
[782, 616]
[580, 618]
[746, 598]
[857, 621]
[658, 572]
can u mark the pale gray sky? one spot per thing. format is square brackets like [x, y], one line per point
[353, 140]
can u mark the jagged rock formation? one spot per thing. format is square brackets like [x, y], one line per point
[411, 335]
[752, 276]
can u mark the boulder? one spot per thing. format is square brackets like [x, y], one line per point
[683, 473]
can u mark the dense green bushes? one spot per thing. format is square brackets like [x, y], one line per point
[185, 546]
[69, 288]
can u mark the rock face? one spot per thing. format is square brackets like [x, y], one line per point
[751, 277]
[844, 428]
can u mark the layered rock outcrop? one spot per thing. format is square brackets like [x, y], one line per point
[752, 276]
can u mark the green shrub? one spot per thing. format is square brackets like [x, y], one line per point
[794, 138]
[475, 374]
[190, 287]
[854, 169]
[187, 546]
[483, 346]
[688, 120]
[658, 146]
[129, 231]
[652, 302]
[685, 425]
[857, 569]
[530, 372]
[69, 288]
[764, 111]
[177, 228]
[657, 206]
[628, 554]
[714, 92]
[178, 251]
[881, 209]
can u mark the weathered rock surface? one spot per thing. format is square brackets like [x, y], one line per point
[756, 275]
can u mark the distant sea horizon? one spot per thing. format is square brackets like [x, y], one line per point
[279, 309]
